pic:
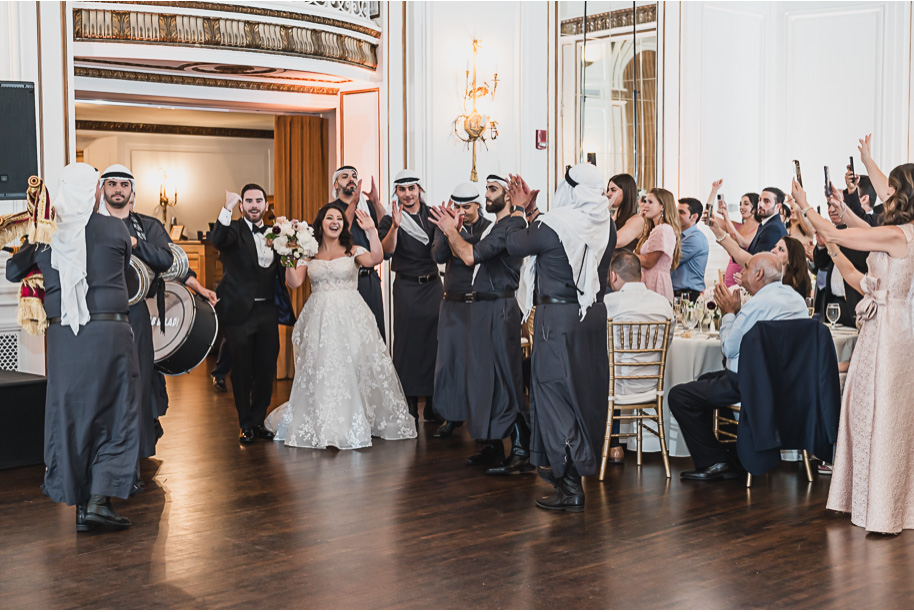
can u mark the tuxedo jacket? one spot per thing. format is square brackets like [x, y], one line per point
[241, 271]
[768, 235]
[848, 303]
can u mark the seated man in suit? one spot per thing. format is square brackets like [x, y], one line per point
[631, 300]
[771, 228]
[693, 403]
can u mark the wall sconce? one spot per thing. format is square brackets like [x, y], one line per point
[164, 202]
[472, 123]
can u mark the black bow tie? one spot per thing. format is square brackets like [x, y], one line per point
[258, 230]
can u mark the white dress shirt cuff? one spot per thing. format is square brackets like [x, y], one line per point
[225, 216]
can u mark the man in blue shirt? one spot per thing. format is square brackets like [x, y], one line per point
[689, 276]
[693, 403]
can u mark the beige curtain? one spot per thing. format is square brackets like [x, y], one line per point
[300, 188]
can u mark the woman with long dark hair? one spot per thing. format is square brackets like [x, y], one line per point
[345, 390]
[622, 192]
[792, 255]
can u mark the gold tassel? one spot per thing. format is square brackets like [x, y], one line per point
[31, 316]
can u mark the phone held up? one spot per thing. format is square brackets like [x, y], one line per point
[796, 170]
[828, 192]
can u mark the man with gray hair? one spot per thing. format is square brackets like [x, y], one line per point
[693, 403]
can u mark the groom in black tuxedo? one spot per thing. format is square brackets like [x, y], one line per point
[253, 300]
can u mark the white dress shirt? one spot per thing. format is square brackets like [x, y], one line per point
[635, 302]
[265, 254]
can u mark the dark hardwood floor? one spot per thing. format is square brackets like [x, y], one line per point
[407, 525]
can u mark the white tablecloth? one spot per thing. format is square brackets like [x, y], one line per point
[689, 358]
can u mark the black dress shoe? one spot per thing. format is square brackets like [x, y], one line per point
[492, 452]
[568, 496]
[82, 525]
[717, 471]
[518, 461]
[262, 432]
[247, 436]
[219, 384]
[445, 431]
[101, 513]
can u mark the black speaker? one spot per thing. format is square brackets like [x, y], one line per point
[22, 399]
[18, 138]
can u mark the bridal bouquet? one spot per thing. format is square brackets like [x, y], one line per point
[292, 240]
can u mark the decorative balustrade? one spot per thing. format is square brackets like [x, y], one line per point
[223, 33]
[355, 9]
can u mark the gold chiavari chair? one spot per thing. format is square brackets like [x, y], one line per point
[625, 340]
[526, 335]
[728, 437]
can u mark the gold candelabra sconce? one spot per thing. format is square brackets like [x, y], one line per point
[164, 201]
[471, 126]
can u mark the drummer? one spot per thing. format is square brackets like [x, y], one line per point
[150, 244]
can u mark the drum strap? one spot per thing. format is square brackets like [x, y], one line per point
[157, 288]
[137, 226]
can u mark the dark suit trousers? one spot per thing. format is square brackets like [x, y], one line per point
[254, 347]
[693, 406]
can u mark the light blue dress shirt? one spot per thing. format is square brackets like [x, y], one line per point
[773, 302]
[693, 259]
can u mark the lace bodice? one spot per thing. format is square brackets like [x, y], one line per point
[896, 274]
[336, 274]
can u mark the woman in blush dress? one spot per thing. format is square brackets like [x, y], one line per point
[742, 233]
[658, 247]
[874, 461]
[345, 389]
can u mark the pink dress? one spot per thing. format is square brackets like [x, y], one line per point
[662, 238]
[733, 267]
[873, 475]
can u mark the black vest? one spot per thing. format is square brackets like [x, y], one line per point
[266, 281]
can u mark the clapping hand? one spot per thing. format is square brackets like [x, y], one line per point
[364, 220]
[521, 194]
[396, 213]
[445, 219]
[372, 193]
[231, 200]
[728, 302]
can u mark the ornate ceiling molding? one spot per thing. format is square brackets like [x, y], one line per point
[608, 21]
[177, 79]
[182, 130]
[216, 33]
[219, 69]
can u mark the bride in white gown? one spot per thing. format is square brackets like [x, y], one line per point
[345, 389]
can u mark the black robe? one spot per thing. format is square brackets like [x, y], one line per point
[415, 306]
[494, 372]
[369, 280]
[569, 366]
[91, 434]
[450, 397]
[154, 252]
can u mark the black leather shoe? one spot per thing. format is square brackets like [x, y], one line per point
[262, 433]
[82, 525]
[101, 513]
[717, 471]
[492, 452]
[569, 492]
[445, 431]
[219, 384]
[518, 461]
[247, 436]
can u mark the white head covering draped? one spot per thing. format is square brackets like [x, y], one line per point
[74, 202]
[114, 171]
[580, 216]
[335, 194]
[409, 225]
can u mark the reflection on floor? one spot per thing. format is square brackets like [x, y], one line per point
[407, 525]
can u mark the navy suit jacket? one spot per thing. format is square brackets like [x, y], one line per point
[768, 235]
[788, 384]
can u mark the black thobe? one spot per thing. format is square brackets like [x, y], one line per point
[154, 252]
[417, 294]
[569, 365]
[450, 398]
[369, 280]
[494, 374]
[91, 428]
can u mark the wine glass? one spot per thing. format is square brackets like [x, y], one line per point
[699, 315]
[810, 304]
[832, 312]
[690, 318]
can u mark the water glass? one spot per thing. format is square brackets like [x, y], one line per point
[833, 313]
[810, 304]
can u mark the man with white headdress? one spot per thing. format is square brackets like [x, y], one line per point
[150, 245]
[92, 408]
[406, 236]
[495, 389]
[454, 313]
[569, 250]
[347, 189]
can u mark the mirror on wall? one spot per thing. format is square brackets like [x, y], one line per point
[608, 88]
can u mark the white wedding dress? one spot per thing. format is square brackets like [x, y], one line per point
[345, 389]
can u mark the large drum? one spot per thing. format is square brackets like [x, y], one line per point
[139, 280]
[190, 330]
[179, 267]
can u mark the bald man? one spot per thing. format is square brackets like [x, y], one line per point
[693, 403]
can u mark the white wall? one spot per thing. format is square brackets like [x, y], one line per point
[201, 167]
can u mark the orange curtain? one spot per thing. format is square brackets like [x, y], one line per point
[301, 186]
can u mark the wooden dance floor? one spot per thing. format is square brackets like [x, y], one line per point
[408, 525]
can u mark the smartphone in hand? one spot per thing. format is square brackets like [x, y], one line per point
[796, 170]
[852, 166]
[828, 191]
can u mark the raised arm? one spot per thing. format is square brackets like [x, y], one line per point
[450, 225]
[631, 230]
[223, 237]
[877, 178]
[852, 276]
[388, 229]
[738, 254]
[295, 277]
[376, 254]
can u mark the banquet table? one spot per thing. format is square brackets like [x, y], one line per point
[690, 357]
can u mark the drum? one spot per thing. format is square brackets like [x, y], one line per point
[190, 330]
[139, 279]
[180, 267]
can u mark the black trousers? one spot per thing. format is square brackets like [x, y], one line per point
[693, 406]
[254, 347]
[690, 294]
[223, 361]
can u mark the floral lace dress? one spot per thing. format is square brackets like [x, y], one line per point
[345, 389]
[873, 476]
